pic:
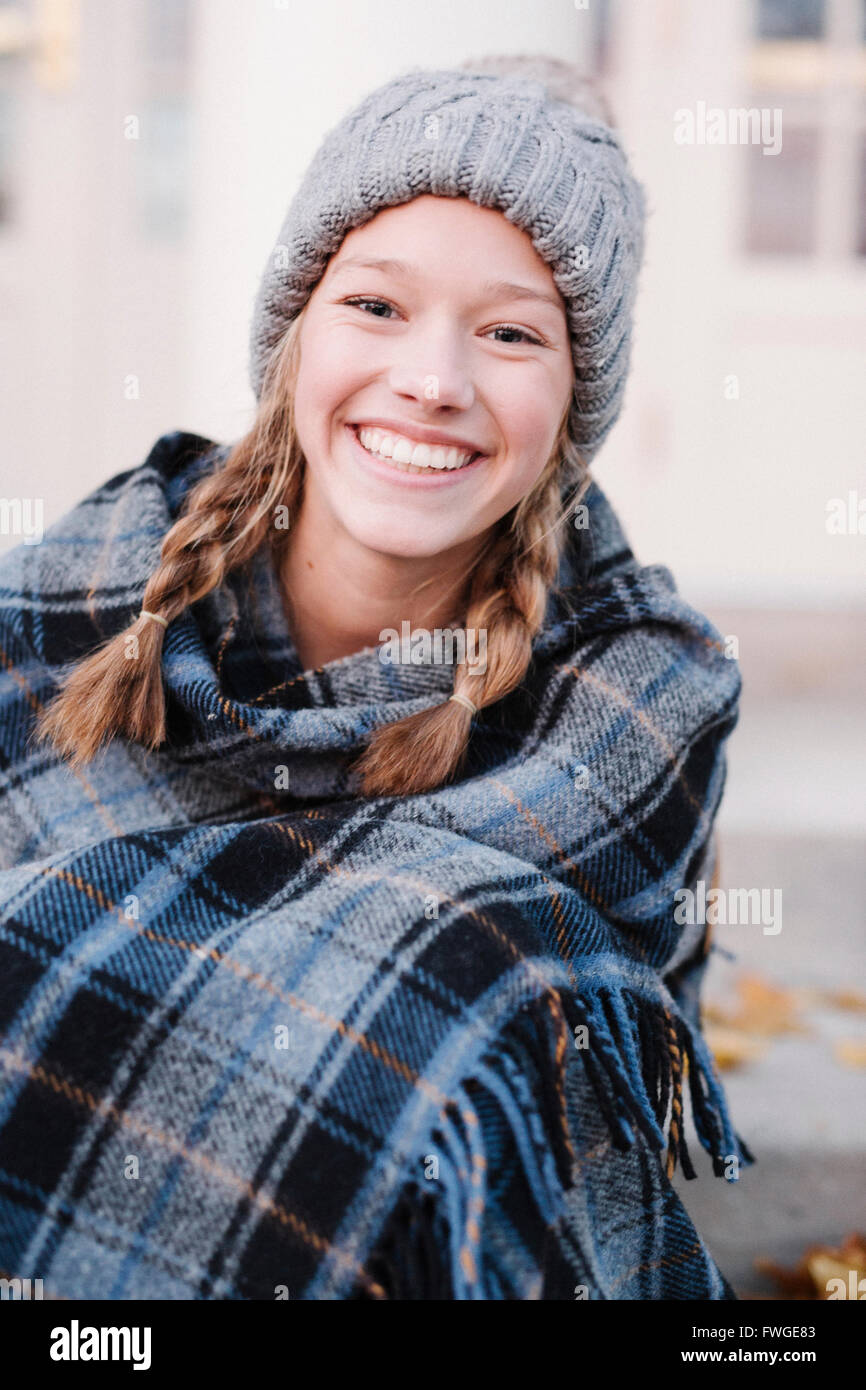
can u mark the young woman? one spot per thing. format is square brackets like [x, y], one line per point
[340, 949]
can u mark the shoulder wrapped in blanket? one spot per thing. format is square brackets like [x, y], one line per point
[265, 1037]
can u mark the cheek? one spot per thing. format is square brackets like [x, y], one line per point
[528, 431]
[328, 374]
[515, 481]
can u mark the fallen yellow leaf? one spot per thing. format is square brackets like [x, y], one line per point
[851, 1051]
[848, 1000]
[730, 1047]
[819, 1264]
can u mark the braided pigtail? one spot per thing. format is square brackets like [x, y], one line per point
[117, 691]
[507, 599]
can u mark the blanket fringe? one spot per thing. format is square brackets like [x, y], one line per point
[636, 1054]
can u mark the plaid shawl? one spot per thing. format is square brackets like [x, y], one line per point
[264, 1037]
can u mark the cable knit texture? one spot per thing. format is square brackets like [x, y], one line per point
[503, 141]
[263, 1036]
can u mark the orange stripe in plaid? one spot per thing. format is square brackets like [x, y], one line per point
[381, 1054]
[676, 1096]
[16, 1061]
[642, 719]
[658, 1264]
[251, 977]
[227, 637]
[552, 1000]
[532, 819]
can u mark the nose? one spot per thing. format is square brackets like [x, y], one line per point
[430, 366]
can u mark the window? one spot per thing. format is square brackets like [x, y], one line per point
[8, 142]
[808, 60]
[162, 165]
[602, 37]
[781, 194]
[790, 19]
[16, 27]
[861, 201]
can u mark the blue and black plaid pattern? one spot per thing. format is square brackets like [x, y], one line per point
[263, 1036]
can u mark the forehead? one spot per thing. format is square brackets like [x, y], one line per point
[446, 238]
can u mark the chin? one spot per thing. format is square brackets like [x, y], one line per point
[398, 543]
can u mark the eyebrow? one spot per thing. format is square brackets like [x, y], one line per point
[493, 287]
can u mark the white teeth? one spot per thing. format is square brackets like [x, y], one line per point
[411, 458]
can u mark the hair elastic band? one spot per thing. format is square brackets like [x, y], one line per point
[466, 702]
[145, 614]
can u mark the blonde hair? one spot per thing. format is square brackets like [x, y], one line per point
[228, 514]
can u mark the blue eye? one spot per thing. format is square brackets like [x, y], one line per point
[527, 337]
[360, 300]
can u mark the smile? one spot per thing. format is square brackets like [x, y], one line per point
[400, 458]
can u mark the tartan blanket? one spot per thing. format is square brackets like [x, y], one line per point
[262, 1037]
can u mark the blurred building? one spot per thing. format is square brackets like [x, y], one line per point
[148, 151]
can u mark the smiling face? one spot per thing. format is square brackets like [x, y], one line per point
[436, 324]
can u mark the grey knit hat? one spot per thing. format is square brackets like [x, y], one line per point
[524, 136]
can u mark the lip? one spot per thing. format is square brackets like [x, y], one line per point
[420, 434]
[396, 475]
